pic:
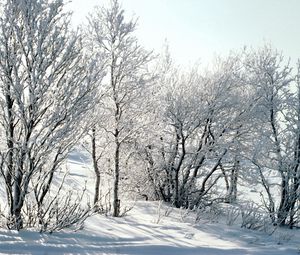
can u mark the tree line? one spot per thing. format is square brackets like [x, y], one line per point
[187, 136]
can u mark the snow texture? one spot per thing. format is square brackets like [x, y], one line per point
[149, 228]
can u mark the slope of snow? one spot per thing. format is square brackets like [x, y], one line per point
[139, 233]
[149, 228]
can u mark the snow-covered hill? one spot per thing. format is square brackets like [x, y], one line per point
[145, 230]
[149, 228]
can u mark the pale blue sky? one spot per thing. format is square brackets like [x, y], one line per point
[198, 29]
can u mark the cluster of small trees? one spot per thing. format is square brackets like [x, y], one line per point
[241, 119]
[238, 121]
[182, 136]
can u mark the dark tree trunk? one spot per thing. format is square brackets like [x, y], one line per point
[18, 201]
[232, 194]
[96, 168]
[283, 209]
[10, 146]
[116, 200]
[176, 190]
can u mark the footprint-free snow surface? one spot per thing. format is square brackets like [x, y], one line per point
[151, 228]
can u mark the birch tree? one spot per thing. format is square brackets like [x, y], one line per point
[46, 87]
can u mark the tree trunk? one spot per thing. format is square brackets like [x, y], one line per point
[96, 168]
[116, 201]
[283, 209]
[232, 194]
[176, 189]
[18, 202]
[10, 147]
[293, 199]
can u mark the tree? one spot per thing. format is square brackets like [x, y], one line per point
[199, 119]
[46, 88]
[127, 78]
[276, 152]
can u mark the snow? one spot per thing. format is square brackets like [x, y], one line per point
[149, 228]
[138, 233]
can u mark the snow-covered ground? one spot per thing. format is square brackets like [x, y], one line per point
[146, 231]
[149, 228]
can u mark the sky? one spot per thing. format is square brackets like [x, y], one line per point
[198, 30]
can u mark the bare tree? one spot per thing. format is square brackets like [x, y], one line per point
[127, 77]
[198, 120]
[277, 133]
[46, 88]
